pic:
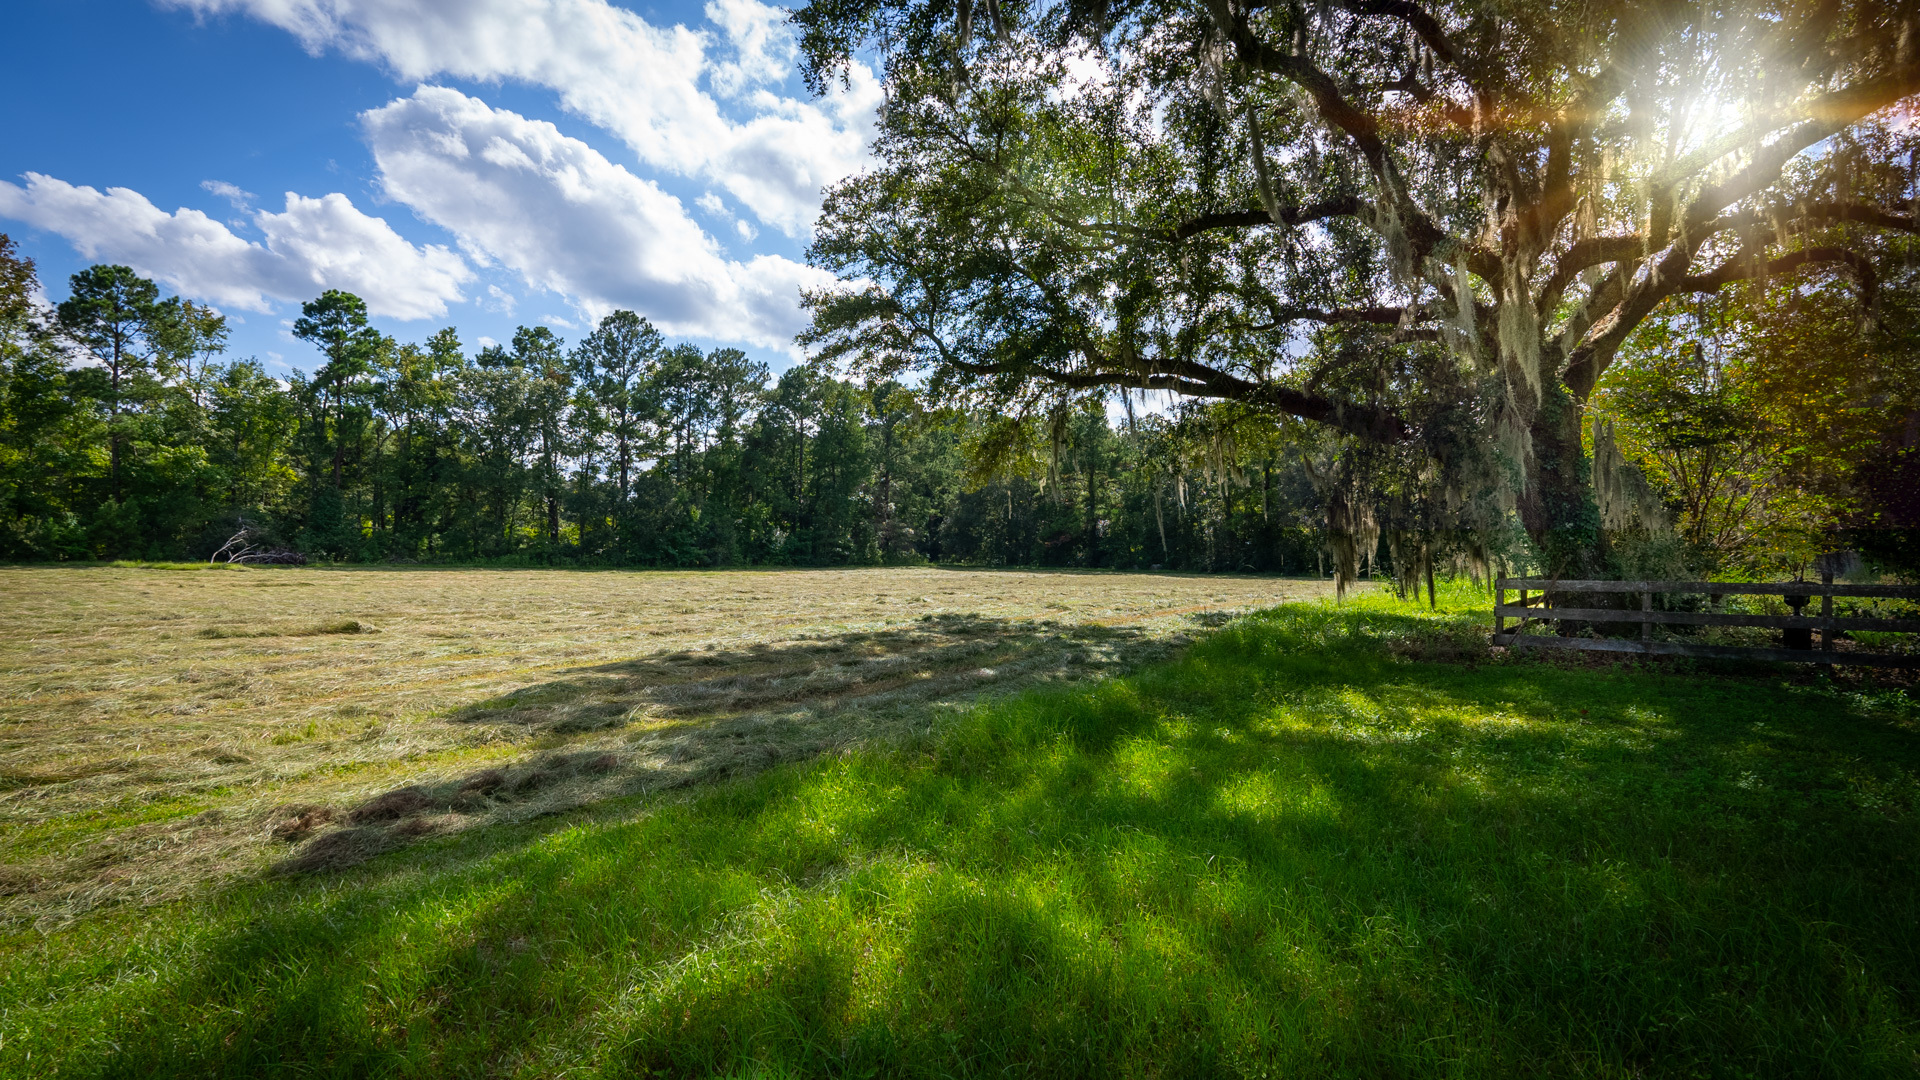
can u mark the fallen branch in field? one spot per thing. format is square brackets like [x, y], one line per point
[240, 548]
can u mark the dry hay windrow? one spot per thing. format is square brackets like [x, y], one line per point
[163, 730]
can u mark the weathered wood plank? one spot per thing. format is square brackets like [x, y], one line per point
[1716, 618]
[1719, 588]
[1707, 652]
[1830, 624]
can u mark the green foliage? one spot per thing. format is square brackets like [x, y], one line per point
[1317, 845]
[1777, 424]
[622, 448]
[1427, 226]
[1773, 424]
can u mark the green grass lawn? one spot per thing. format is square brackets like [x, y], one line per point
[1298, 850]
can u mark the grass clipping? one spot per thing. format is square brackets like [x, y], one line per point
[161, 729]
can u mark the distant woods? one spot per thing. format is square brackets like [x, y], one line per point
[1761, 432]
[128, 434]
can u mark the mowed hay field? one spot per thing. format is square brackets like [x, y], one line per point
[162, 730]
[1324, 840]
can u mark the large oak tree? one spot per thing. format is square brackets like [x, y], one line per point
[1361, 213]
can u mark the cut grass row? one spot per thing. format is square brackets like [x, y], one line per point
[1296, 850]
[155, 724]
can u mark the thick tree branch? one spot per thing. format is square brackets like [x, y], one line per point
[1362, 127]
[1377, 316]
[1557, 196]
[1826, 115]
[1190, 379]
[1345, 206]
[1584, 366]
[1865, 213]
[1593, 251]
[1861, 212]
[1750, 264]
[1371, 422]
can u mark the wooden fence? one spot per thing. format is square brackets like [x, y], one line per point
[1552, 601]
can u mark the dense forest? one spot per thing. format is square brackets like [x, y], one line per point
[125, 432]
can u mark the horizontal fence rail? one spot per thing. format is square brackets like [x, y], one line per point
[1545, 600]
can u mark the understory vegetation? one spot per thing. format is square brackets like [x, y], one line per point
[1340, 841]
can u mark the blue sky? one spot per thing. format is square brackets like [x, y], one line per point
[476, 163]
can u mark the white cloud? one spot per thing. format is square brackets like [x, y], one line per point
[328, 244]
[636, 80]
[233, 193]
[312, 246]
[556, 211]
[764, 49]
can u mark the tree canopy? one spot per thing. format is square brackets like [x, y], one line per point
[1426, 226]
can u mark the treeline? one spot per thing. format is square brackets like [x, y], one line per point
[126, 433]
[1750, 435]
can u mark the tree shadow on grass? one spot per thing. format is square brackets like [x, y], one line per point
[674, 719]
[1290, 852]
[941, 655]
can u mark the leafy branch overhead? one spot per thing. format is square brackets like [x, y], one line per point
[1232, 200]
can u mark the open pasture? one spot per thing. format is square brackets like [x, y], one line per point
[164, 729]
[1323, 841]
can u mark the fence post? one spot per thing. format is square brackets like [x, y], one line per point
[1522, 624]
[1826, 613]
[1646, 615]
[1499, 601]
